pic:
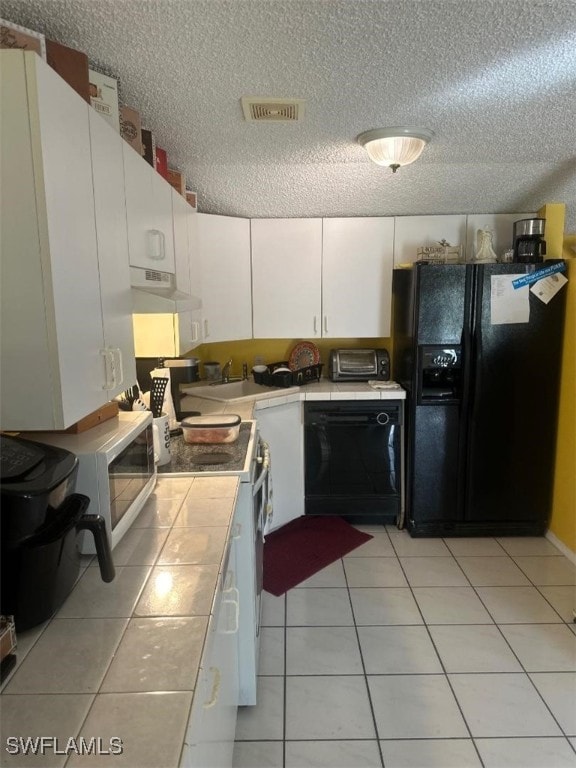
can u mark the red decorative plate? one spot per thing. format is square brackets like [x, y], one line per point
[304, 354]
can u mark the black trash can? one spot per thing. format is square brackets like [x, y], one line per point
[40, 517]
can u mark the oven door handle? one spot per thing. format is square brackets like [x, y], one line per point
[264, 463]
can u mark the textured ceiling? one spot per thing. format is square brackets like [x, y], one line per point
[494, 79]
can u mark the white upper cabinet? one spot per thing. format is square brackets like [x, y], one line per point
[322, 278]
[195, 260]
[286, 278]
[149, 214]
[166, 334]
[357, 263]
[112, 244]
[180, 213]
[55, 367]
[411, 232]
[224, 247]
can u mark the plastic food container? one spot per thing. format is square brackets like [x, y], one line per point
[223, 428]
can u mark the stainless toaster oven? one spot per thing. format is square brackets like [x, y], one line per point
[359, 364]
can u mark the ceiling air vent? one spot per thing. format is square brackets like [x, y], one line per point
[270, 110]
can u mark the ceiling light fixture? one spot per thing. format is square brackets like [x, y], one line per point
[396, 146]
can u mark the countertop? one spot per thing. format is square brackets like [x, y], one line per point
[121, 659]
[273, 396]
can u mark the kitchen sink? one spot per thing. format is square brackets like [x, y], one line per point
[237, 391]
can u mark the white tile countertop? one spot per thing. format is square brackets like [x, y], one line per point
[121, 659]
[268, 397]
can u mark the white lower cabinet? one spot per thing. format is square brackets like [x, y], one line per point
[281, 427]
[209, 741]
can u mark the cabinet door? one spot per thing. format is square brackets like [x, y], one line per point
[113, 266]
[52, 371]
[180, 213]
[209, 740]
[286, 274]
[195, 261]
[411, 232]
[148, 213]
[188, 328]
[224, 244]
[163, 217]
[281, 427]
[357, 263]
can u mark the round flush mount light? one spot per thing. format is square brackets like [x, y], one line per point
[396, 146]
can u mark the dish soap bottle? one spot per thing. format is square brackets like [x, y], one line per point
[484, 252]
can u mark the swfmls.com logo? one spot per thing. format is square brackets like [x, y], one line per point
[43, 745]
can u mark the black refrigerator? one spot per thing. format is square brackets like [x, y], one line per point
[481, 364]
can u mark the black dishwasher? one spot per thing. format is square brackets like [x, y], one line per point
[352, 459]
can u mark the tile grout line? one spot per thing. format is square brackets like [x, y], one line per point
[364, 673]
[446, 677]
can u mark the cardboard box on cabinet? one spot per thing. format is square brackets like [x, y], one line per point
[71, 65]
[177, 180]
[192, 198]
[161, 161]
[14, 36]
[130, 128]
[148, 148]
[104, 97]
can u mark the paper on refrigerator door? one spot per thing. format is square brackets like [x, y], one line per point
[508, 304]
[548, 287]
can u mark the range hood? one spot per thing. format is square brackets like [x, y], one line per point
[155, 292]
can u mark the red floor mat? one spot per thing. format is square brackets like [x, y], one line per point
[304, 546]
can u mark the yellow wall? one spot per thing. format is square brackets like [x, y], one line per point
[563, 522]
[273, 350]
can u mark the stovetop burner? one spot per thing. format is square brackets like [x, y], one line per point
[227, 457]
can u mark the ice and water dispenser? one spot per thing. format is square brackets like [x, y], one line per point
[439, 374]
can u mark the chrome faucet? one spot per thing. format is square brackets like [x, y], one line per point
[226, 371]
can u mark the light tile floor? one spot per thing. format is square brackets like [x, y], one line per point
[420, 653]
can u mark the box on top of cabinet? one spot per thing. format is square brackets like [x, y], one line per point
[177, 180]
[148, 147]
[161, 162]
[14, 36]
[130, 128]
[71, 65]
[192, 198]
[104, 97]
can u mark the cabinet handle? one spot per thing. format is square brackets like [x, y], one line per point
[236, 604]
[109, 376]
[206, 334]
[195, 330]
[325, 323]
[120, 368]
[215, 688]
[156, 245]
[315, 328]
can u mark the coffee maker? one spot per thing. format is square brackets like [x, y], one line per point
[529, 243]
[183, 370]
